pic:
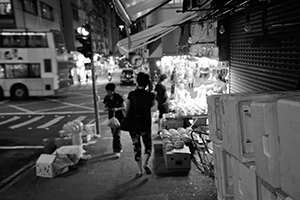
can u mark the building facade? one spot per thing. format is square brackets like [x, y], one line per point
[65, 16]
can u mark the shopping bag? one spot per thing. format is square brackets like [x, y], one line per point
[113, 122]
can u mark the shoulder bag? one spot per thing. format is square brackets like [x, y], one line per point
[133, 122]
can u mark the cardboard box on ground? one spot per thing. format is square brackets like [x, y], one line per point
[51, 165]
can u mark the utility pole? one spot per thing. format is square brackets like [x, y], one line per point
[94, 86]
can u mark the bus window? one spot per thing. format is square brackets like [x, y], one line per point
[37, 41]
[13, 41]
[20, 71]
[9, 70]
[58, 41]
[24, 70]
[34, 71]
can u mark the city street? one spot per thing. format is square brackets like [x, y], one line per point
[24, 124]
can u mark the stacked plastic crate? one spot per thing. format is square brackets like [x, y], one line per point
[255, 140]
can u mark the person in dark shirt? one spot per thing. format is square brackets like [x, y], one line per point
[115, 105]
[140, 102]
[161, 98]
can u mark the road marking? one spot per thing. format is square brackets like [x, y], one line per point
[81, 118]
[21, 109]
[53, 113]
[50, 123]
[21, 147]
[44, 110]
[26, 122]
[10, 120]
[70, 104]
[2, 102]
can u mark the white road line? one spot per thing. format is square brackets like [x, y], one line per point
[2, 102]
[50, 123]
[81, 118]
[21, 147]
[26, 122]
[10, 120]
[53, 113]
[60, 107]
[69, 104]
[21, 109]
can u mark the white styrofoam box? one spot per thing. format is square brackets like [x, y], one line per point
[49, 165]
[238, 134]
[235, 164]
[74, 152]
[220, 197]
[289, 138]
[266, 143]
[215, 118]
[265, 191]
[244, 180]
[223, 171]
[248, 181]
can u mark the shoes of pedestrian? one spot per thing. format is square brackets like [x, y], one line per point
[147, 169]
[118, 155]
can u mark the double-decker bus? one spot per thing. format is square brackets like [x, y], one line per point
[32, 63]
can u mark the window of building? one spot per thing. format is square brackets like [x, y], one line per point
[20, 70]
[47, 11]
[30, 6]
[5, 7]
[84, 5]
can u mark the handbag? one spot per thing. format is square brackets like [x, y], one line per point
[133, 121]
[113, 122]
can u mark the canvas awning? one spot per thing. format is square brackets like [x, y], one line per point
[155, 32]
[132, 10]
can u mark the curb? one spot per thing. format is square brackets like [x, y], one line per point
[15, 177]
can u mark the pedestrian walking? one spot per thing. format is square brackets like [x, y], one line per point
[115, 105]
[140, 101]
[161, 98]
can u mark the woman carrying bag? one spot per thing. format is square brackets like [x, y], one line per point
[138, 112]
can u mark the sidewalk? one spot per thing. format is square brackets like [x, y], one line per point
[106, 178]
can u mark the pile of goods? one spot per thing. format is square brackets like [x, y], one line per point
[188, 108]
[175, 139]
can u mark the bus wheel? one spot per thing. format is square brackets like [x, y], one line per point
[1, 94]
[19, 92]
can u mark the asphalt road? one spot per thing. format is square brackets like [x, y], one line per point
[24, 124]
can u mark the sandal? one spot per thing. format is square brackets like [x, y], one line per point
[147, 169]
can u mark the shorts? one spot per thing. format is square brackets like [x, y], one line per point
[162, 108]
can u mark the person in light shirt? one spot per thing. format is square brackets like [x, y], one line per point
[181, 93]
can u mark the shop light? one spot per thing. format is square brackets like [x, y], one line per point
[158, 63]
[247, 27]
[222, 29]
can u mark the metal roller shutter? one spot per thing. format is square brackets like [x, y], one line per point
[266, 69]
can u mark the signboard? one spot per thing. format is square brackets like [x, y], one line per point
[137, 60]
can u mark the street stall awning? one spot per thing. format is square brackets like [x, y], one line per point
[155, 32]
[131, 11]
